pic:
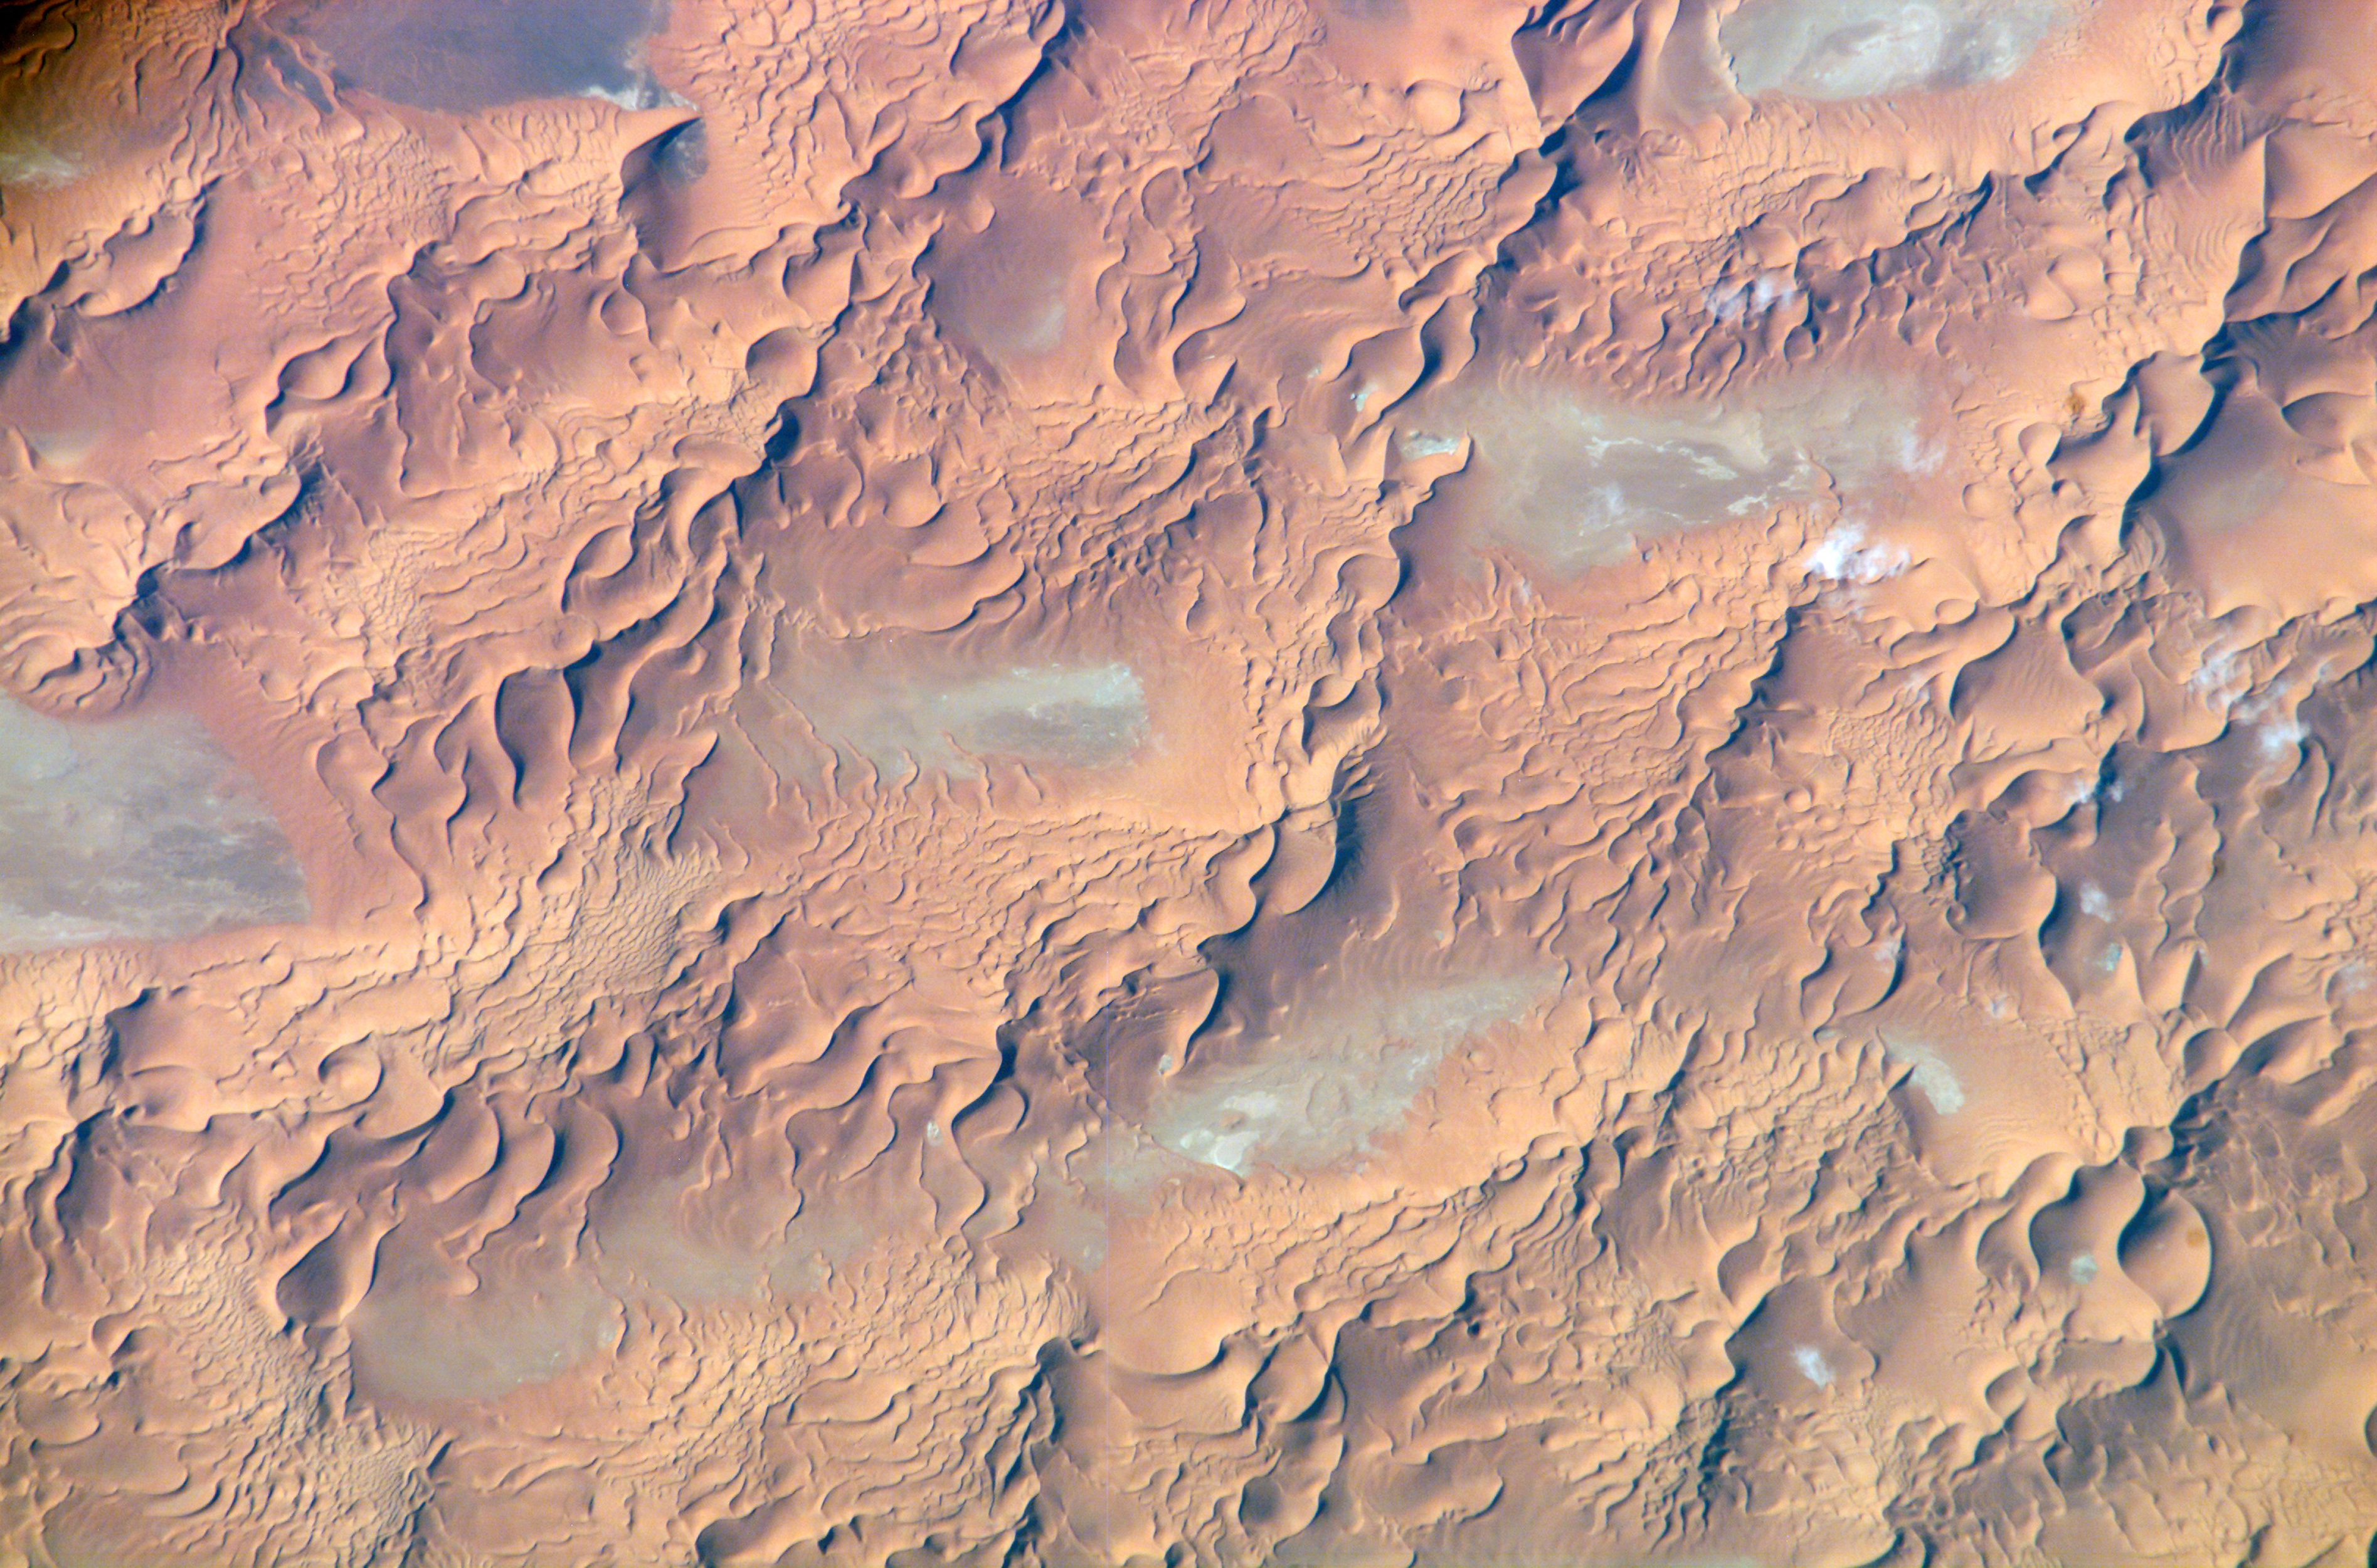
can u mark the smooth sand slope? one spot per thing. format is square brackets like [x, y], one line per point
[1094, 782]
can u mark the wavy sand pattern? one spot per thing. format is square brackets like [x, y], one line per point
[1095, 782]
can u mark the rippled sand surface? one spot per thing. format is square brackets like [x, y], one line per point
[1097, 782]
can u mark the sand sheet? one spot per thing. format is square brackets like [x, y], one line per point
[1087, 782]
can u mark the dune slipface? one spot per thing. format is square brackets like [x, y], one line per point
[1077, 783]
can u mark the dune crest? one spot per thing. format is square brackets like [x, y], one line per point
[1072, 782]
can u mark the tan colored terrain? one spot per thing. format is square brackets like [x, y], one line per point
[1077, 782]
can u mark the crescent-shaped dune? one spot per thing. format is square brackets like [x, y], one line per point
[1077, 783]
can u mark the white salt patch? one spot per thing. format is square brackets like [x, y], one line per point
[1834, 50]
[2092, 902]
[2224, 681]
[1078, 715]
[133, 830]
[1932, 1074]
[1847, 556]
[1215, 1146]
[2083, 1269]
[1332, 1082]
[24, 160]
[1812, 1366]
[2282, 736]
[1750, 299]
[465, 58]
[1577, 484]
[2222, 678]
[647, 95]
[1087, 715]
[1424, 446]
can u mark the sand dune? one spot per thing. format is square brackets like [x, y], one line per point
[1359, 782]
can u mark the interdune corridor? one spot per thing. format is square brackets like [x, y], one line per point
[1053, 783]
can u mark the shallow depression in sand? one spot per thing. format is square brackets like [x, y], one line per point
[425, 1344]
[1844, 49]
[1334, 1079]
[1015, 287]
[1575, 485]
[135, 830]
[1930, 1074]
[477, 55]
[1081, 715]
